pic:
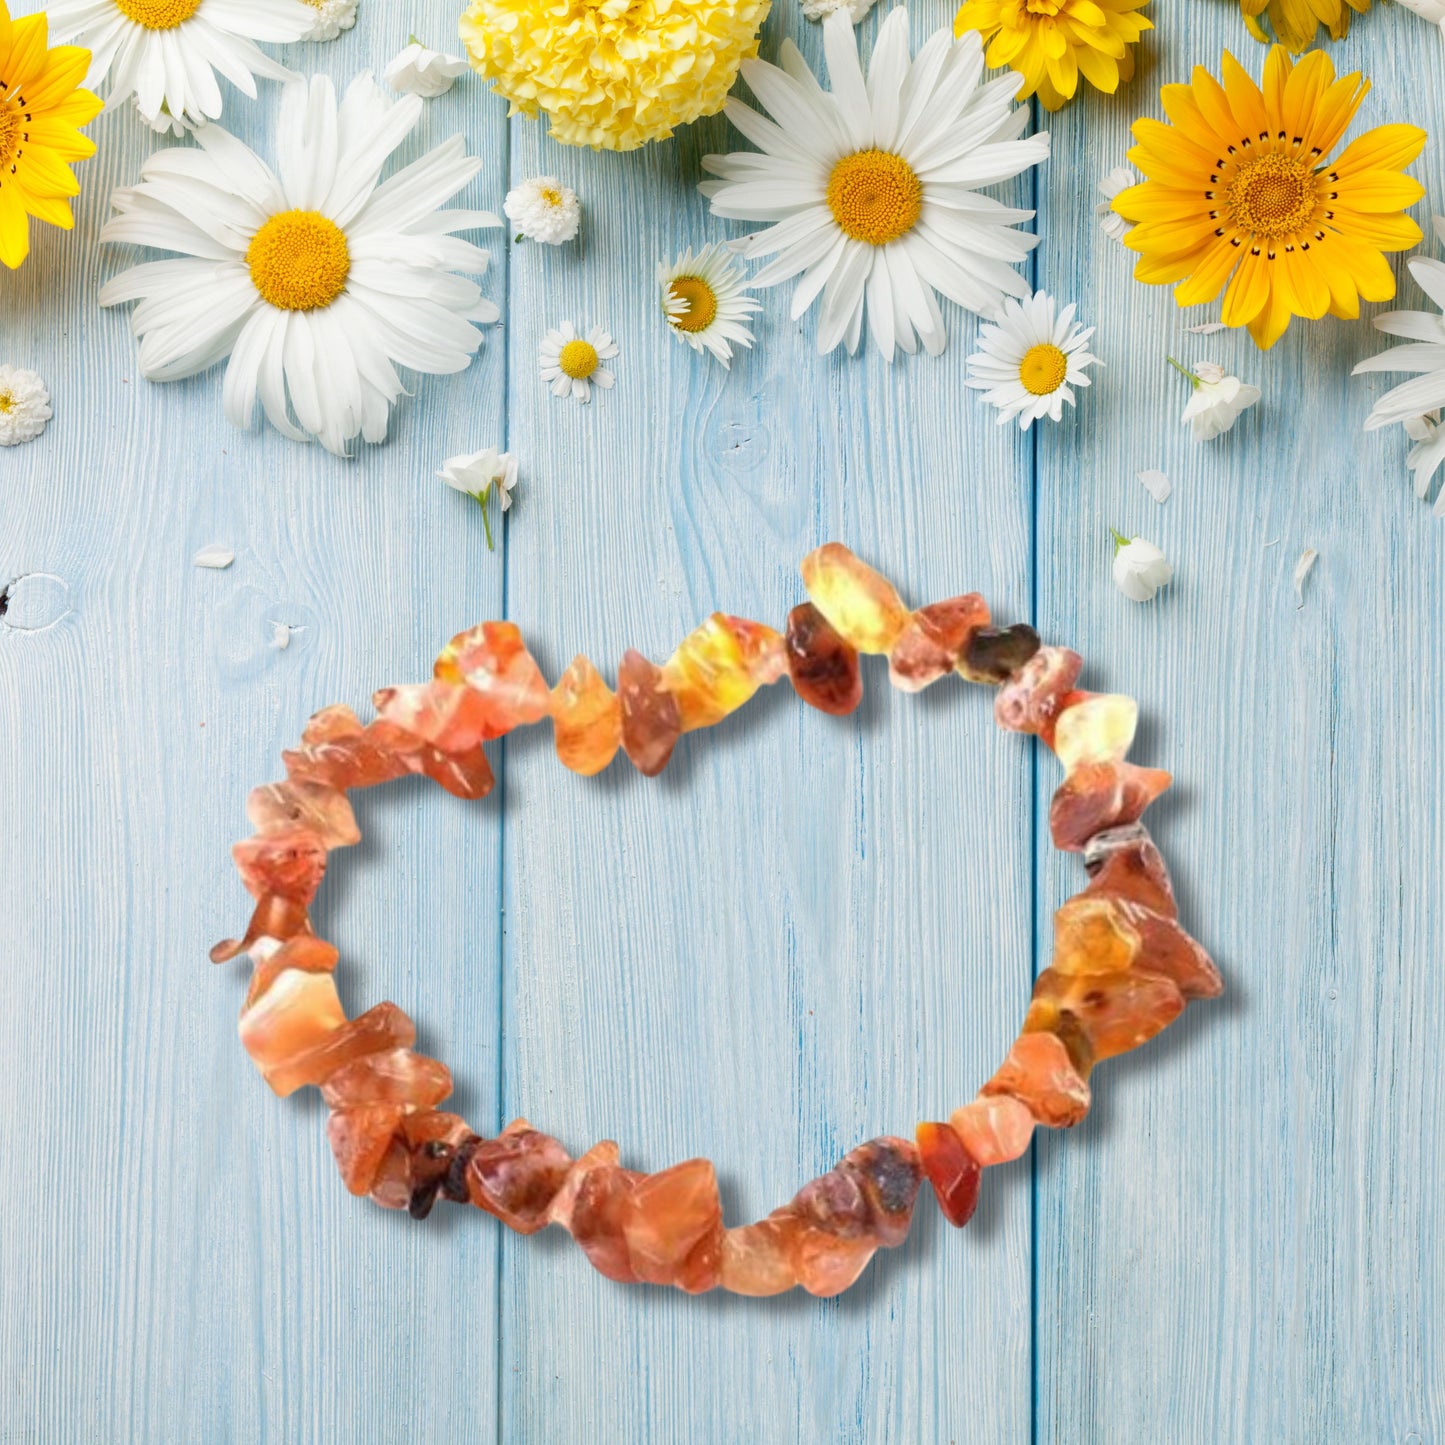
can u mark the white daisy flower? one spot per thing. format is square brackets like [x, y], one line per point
[872, 186]
[419, 71]
[1218, 400]
[478, 475]
[317, 282]
[543, 209]
[1029, 360]
[1113, 225]
[704, 299]
[572, 363]
[822, 9]
[1140, 568]
[168, 52]
[1412, 402]
[24, 406]
[330, 19]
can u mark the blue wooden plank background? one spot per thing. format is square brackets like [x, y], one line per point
[806, 933]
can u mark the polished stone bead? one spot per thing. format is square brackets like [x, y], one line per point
[1124, 863]
[992, 655]
[587, 719]
[930, 645]
[1030, 701]
[861, 605]
[1118, 1011]
[289, 863]
[1040, 1074]
[272, 959]
[764, 651]
[993, 1129]
[432, 1138]
[757, 1259]
[1095, 729]
[360, 1138]
[951, 1170]
[600, 1212]
[276, 919]
[889, 1174]
[674, 1227]
[297, 1012]
[823, 667]
[602, 1155]
[452, 718]
[381, 1028]
[651, 720]
[518, 1175]
[1098, 796]
[493, 662]
[284, 807]
[1093, 935]
[825, 1263]
[336, 750]
[392, 1076]
[710, 675]
[392, 1186]
[1166, 949]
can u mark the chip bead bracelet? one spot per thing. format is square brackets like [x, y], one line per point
[1122, 967]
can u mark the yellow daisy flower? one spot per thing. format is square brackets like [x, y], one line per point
[1296, 22]
[612, 74]
[1241, 195]
[1051, 43]
[41, 107]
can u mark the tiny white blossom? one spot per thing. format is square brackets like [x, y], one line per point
[479, 475]
[543, 209]
[1113, 225]
[821, 9]
[1218, 400]
[419, 71]
[1140, 568]
[24, 406]
[571, 364]
[332, 17]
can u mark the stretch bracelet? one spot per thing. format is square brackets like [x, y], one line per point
[1122, 967]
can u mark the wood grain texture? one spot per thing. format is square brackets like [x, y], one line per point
[807, 933]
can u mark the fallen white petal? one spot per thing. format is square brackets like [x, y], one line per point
[1156, 484]
[1307, 559]
[1207, 328]
[215, 556]
[280, 636]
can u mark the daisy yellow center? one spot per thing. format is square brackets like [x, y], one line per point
[875, 196]
[7, 402]
[299, 261]
[699, 299]
[1043, 7]
[158, 14]
[1272, 196]
[1043, 369]
[551, 195]
[578, 359]
[10, 134]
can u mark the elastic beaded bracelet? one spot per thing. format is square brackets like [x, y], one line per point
[1122, 967]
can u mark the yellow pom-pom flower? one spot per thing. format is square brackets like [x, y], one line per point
[41, 110]
[1296, 22]
[1051, 43]
[612, 74]
[1241, 195]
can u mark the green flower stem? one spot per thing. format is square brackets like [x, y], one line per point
[1119, 540]
[483, 497]
[1184, 371]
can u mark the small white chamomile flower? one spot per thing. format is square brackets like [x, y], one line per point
[704, 299]
[332, 17]
[572, 364]
[1030, 359]
[479, 475]
[543, 209]
[1218, 400]
[822, 9]
[1140, 568]
[1113, 225]
[419, 71]
[24, 406]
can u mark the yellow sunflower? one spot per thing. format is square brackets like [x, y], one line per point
[40, 110]
[1296, 22]
[1051, 43]
[1240, 192]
